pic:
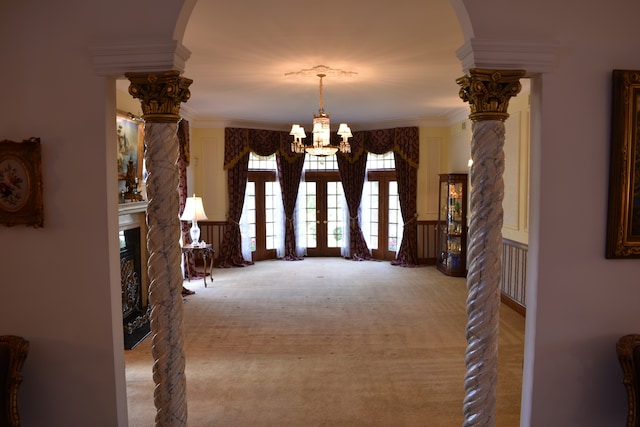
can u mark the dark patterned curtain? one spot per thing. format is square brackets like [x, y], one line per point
[352, 170]
[406, 160]
[405, 143]
[183, 162]
[236, 162]
[289, 173]
[238, 144]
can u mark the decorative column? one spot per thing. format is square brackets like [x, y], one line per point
[488, 93]
[161, 95]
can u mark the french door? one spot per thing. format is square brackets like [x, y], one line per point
[322, 215]
[385, 222]
[260, 208]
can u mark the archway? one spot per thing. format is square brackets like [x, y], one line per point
[188, 8]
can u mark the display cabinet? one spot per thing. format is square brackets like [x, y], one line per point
[452, 225]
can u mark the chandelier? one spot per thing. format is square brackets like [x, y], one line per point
[321, 134]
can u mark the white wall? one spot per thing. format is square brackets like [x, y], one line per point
[434, 142]
[516, 170]
[207, 171]
[459, 150]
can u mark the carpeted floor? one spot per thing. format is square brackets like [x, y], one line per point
[328, 342]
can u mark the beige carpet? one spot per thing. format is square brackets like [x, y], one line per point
[328, 342]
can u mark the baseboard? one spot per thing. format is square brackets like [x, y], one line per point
[519, 308]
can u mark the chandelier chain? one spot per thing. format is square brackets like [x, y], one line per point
[321, 98]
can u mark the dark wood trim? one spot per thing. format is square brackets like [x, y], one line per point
[383, 178]
[518, 245]
[260, 178]
[517, 307]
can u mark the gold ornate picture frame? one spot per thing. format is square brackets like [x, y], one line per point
[623, 222]
[130, 143]
[21, 183]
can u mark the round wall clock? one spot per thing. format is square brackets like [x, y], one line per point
[21, 183]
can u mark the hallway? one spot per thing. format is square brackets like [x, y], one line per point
[327, 342]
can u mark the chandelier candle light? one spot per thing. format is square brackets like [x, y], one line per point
[321, 133]
[194, 212]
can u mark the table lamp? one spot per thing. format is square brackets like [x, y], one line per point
[194, 212]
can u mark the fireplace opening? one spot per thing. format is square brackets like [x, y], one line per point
[135, 313]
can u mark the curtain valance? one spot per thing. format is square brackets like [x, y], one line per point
[403, 141]
[240, 141]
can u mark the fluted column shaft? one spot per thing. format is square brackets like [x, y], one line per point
[488, 93]
[161, 95]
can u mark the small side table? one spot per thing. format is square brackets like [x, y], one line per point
[206, 251]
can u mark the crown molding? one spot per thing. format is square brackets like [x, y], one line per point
[533, 57]
[219, 123]
[116, 59]
[459, 115]
[356, 126]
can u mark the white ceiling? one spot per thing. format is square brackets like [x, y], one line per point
[402, 51]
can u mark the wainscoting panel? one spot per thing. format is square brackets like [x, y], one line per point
[212, 232]
[514, 274]
[427, 242]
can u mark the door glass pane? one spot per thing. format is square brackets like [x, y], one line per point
[326, 163]
[308, 215]
[249, 210]
[335, 232]
[381, 161]
[396, 224]
[262, 163]
[370, 229]
[270, 214]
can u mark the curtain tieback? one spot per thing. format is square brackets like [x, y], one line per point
[232, 221]
[413, 219]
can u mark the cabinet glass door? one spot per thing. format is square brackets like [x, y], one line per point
[452, 224]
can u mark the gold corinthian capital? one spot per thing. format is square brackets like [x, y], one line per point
[488, 92]
[160, 94]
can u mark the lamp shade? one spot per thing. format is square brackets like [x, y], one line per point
[344, 130]
[193, 210]
[297, 131]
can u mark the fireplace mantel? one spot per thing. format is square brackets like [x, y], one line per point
[132, 207]
[132, 215]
